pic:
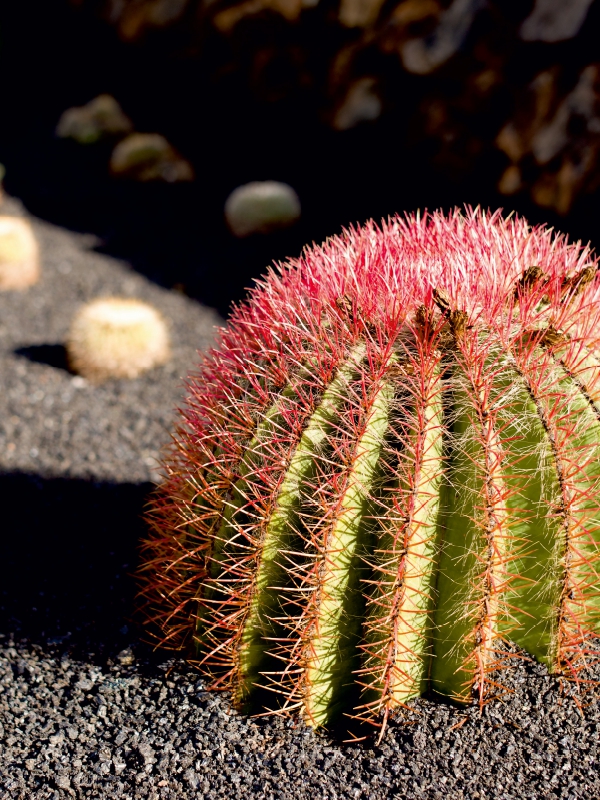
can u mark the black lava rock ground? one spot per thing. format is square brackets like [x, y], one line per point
[86, 709]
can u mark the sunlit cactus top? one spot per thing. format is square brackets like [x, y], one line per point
[389, 470]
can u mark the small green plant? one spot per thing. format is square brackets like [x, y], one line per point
[261, 207]
[389, 469]
[149, 157]
[99, 119]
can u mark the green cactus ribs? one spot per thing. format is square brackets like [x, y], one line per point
[388, 470]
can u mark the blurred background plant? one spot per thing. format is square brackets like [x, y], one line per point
[136, 119]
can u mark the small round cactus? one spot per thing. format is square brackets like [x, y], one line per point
[389, 471]
[101, 118]
[19, 254]
[115, 337]
[149, 157]
[261, 207]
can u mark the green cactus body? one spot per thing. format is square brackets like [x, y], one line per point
[281, 534]
[581, 374]
[403, 480]
[573, 428]
[536, 539]
[227, 529]
[481, 541]
[468, 545]
[587, 600]
[336, 621]
[398, 625]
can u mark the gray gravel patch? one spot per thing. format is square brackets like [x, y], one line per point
[71, 729]
[86, 709]
[55, 423]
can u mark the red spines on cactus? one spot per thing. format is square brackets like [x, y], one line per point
[387, 467]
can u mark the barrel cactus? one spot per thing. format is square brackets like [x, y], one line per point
[386, 478]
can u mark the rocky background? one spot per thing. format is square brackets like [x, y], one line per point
[366, 107]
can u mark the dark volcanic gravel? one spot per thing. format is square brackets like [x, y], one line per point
[86, 710]
[74, 729]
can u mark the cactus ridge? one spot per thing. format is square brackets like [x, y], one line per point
[388, 469]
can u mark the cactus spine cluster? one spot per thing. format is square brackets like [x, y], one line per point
[389, 469]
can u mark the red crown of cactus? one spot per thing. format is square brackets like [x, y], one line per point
[388, 469]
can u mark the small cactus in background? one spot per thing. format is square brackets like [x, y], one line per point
[116, 338]
[102, 117]
[19, 254]
[149, 157]
[261, 207]
[388, 470]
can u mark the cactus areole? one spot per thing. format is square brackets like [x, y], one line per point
[388, 470]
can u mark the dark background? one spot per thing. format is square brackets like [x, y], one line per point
[239, 117]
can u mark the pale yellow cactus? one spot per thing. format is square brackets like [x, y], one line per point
[114, 337]
[19, 254]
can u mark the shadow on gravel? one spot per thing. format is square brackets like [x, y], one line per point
[67, 552]
[54, 355]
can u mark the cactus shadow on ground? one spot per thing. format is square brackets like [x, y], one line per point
[66, 556]
[53, 355]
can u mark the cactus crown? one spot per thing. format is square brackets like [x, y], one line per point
[388, 468]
